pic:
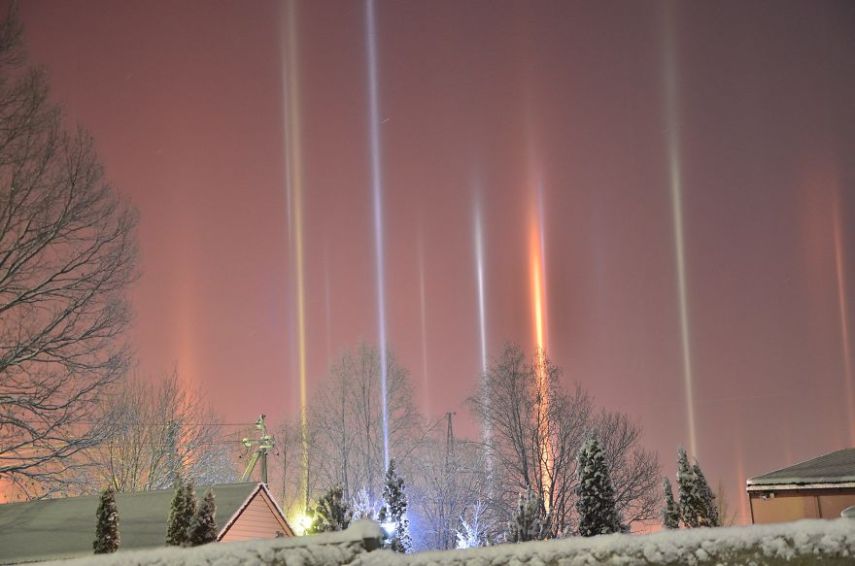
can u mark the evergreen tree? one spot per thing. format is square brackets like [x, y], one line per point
[671, 511]
[697, 501]
[179, 515]
[203, 527]
[107, 529]
[595, 494]
[708, 507]
[189, 509]
[687, 484]
[176, 530]
[530, 522]
[332, 513]
[393, 514]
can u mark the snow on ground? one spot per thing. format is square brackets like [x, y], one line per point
[800, 543]
[317, 550]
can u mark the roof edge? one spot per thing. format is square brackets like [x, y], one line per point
[278, 508]
[751, 481]
[238, 511]
[793, 486]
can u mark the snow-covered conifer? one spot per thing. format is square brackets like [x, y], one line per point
[393, 514]
[595, 494]
[671, 511]
[697, 502]
[530, 522]
[176, 530]
[203, 527]
[708, 515]
[181, 513]
[687, 484]
[332, 513]
[107, 528]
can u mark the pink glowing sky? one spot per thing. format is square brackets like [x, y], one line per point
[185, 101]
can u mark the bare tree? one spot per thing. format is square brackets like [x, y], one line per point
[160, 432]
[346, 424]
[289, 473]
[727, 516]
[537, 430]
[634, 471]
[67, 255]
[448, 485]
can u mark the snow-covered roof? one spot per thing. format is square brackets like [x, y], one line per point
[834, 470]
[57, 528]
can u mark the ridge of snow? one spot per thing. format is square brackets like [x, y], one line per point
[801, 542]
[809, 541]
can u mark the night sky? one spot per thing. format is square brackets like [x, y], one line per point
[570, 126]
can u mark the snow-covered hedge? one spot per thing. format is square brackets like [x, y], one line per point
[316, 550]
[794, 544]
[799, 543]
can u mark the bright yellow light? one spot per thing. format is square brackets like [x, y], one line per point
[294, 181]
[538, 290]
[538, 303]
[301, 523]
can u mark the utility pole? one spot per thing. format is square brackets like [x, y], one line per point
[450, 497]
[264, 444]
[449, 443]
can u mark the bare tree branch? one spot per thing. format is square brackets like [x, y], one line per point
[160, 431]
[537, 430]
[67, 255]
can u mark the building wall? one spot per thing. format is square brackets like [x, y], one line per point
[832, 505]
[258, 520]
[795, 505]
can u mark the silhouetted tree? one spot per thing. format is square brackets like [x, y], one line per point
[67, 257]
[161, 430]
[538, 428]
[346, 428]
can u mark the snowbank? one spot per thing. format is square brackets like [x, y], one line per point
[801, 543]
[315, 550]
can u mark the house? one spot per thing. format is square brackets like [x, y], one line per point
[63, 528]
[816, 489]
